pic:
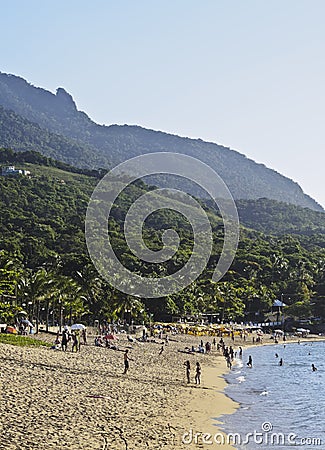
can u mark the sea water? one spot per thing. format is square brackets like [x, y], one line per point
[280, 406]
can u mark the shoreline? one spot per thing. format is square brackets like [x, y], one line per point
[75, 401]
[233, 406]
[212, 403]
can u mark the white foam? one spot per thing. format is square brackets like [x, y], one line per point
[241, 379]
[239, 363]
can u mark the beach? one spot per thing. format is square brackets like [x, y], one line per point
[52, 399]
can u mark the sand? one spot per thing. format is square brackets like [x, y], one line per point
[80, 401]
[61, 400]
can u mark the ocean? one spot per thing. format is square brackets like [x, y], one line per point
[280, 406]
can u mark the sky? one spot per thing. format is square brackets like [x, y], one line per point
[247, 74]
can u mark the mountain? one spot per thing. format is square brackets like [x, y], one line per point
[105, 146]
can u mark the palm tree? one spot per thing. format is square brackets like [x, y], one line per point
[68, 296]
[34, 288]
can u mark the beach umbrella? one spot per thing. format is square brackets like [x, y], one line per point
[278, 331]
[78, 326]
[24, 313]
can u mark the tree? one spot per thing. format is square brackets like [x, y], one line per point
[34, 288]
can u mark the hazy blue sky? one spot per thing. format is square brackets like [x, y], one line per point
[248, 74]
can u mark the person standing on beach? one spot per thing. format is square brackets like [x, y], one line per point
[65, 340]
[313, 368]
[126, 361]
[74, 341]
[188, 371]
[250, 361]
[281, 362]
[198, 373]
[240, 352]
[78, 340]
[84, 336]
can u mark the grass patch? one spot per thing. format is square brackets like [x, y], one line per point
[22, 341]
[52, 172]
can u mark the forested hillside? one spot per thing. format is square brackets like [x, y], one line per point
[22, 135]
[44, 259]
[278, 218]
[108, 145]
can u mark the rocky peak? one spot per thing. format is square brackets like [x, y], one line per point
[64, 97]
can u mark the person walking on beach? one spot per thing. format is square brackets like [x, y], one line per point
[313, 368]
[162, 349]
[240, 352]
[188, 371]
[281, 362]
[126, 361]
[198, 373]
[250, 361]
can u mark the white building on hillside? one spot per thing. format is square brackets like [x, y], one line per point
[12, 171]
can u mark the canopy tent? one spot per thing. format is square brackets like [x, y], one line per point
[278, 304]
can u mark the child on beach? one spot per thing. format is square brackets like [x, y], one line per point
[126, 361]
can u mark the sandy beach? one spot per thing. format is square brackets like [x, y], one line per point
[52, 399]
[61, 400]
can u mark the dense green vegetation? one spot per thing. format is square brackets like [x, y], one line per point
[22, 135]
[45, 268]
[279, 218]
[35, 119]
